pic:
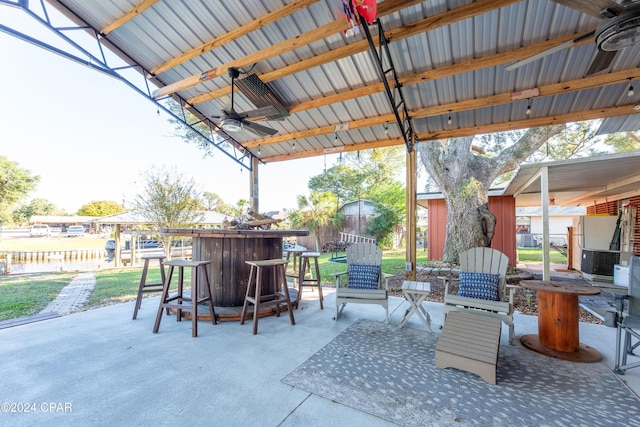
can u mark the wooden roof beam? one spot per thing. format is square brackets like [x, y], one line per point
[489, 101]
[623, 110]
[470, 10]
[384, 8]
[577, 116]
[243, 30]
[137, 10]
[340, 149]
[447, 71]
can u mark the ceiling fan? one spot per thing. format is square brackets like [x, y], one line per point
[268, 109]
[620, 28]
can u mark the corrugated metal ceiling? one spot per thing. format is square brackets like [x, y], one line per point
[462, 58]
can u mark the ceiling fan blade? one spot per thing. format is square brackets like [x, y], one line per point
[601, 62]
[554, 49]
[262, 113]
[258, 129]
[539, 55]
[593, 7]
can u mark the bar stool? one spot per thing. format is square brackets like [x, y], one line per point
[304, 280]
[180, 301]
[149, 287]
[280, 293]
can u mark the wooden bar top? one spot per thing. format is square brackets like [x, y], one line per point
[231, 234]
[559, 287]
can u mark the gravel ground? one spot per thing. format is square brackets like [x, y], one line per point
[525, 301]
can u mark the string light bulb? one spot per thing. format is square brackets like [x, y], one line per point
[630, 92]
[528, 107]
[386, 130]
[449, 120]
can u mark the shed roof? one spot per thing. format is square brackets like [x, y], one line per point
[137, 217]
[450, 58]
[573, 182]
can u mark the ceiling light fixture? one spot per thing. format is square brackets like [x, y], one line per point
[630, 92]
[231, 125]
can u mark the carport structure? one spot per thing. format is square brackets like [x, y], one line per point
[423, 71]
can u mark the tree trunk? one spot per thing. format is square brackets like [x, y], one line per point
[469, 222]
[464, 178]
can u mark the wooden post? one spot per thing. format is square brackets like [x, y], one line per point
[569, 248]
[410, 269]
[116, 235]
[253, 185]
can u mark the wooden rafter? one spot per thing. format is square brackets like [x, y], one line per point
[243, 30]
[489, 101]
[456, 107]
[277, 49]
[333, 27]
[442, 72]
[137, 10]
[473, 9]
[599, 113]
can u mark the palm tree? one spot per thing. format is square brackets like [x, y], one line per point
[315, 212]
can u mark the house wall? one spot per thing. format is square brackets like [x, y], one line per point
[504, 238]
[557, 224]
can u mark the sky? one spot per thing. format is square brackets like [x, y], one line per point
[90, 137]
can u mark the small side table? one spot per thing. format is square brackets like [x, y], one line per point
[558, 321]
[416, 293]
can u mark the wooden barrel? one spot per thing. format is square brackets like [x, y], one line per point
[228, 272]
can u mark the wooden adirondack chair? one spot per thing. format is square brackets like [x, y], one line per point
[364, 278]
[484, 260]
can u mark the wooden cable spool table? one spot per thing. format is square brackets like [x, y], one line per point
[558, 321]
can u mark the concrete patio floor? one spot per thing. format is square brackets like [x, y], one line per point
[99, 367]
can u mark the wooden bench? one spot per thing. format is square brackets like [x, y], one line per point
[470, 343]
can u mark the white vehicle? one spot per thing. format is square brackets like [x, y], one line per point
[75, 231]
[39, 230]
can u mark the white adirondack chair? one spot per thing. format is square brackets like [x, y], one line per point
[367, 292]
[484, 260]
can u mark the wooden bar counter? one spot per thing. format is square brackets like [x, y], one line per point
[558, 321]
[229, 249]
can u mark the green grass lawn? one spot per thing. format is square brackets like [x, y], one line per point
[535, 255]
[28, 295]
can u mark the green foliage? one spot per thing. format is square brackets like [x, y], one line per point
[15, 184]
[345, 182]
[390, 202]
[101, 208]
[579, 139]
[35, 207]
[368, 175]
[195, 134]
[315, 212]
[623, 142]
[169, 200]
[213, 202]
